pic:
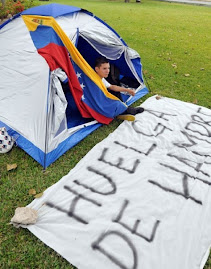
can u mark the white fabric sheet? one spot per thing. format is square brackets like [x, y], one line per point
[140, 199]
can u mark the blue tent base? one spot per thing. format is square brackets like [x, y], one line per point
[45, 159]
[69, 143]
[138, 95]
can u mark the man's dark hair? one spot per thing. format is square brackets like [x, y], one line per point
[101, 60]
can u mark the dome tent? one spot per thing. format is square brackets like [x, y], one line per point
[50, 96]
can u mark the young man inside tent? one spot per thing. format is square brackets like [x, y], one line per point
[102, 68]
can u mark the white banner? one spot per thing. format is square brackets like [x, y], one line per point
[140, 199]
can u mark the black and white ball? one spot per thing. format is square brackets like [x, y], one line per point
[6, 141]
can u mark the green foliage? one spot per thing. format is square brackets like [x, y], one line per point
[13, 7]
[174, 43]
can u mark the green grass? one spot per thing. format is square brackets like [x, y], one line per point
[173, 40]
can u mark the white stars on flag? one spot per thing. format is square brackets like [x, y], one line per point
[80, 78]
[78, 75]
[82, 86]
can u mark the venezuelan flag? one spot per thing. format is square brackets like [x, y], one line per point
[90, 94]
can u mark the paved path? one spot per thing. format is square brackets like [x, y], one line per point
[190, 2]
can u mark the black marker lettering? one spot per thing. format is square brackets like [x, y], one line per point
[159, 114]
[190, 125]
[153, 146]
[119, 163]
[97, 245]
[185, 192]
[133, 229]
[71, 212]
[102, 175]
[159, 128]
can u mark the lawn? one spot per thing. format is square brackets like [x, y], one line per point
[173, 41]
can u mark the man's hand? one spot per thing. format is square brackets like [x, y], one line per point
[131, 92]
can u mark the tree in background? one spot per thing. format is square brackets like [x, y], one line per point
[3, 2]
[8, 8]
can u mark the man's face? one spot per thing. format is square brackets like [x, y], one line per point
[103, 70]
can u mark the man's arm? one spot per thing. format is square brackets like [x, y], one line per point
[122, 89]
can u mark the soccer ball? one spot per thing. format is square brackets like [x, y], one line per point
[6, 141]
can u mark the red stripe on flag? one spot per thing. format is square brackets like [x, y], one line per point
[97, 116]
[57, 57]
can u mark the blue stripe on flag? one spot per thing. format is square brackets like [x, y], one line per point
[45, 35]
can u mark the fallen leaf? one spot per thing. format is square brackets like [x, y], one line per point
[187, 75]
[11, 166]
[195, 101]
[174, 65]
[202, 69]
[46, 172]
[145, 72]
[39, 195]
[32, 192]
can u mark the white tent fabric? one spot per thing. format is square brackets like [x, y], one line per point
[58, 122]
[33, 77]
[139, 199]
[103, 39]
[22, 63]
[94, 32]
